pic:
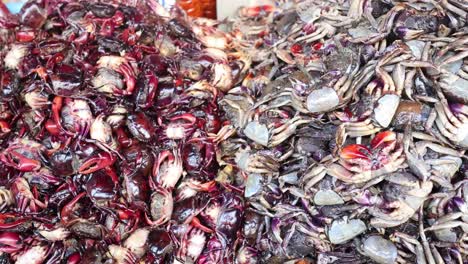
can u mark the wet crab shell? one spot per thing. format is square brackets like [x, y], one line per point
[162, 205]
[77, 116]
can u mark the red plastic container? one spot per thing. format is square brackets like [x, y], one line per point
[199, 8]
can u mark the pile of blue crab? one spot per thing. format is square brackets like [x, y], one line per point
[307, 132]
[351, 129]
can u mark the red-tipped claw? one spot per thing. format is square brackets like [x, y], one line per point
[56, 128]
[196, 223]
[96, 163]
[19, 162]
[381, 138]
[355, 151]
[68, 208]
[8, 221]
[4, 127]
[129, 76]
[186, 117]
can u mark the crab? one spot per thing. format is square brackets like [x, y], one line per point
[191, 187]
[191, 247]
[101, 131]
[11, 242]
[313, 176]
[285, 130]
[23, 154]
[382, 95]
[70, 116]
[412, 244]
[123, 65]
[161, 206]
[6, 199]
[337, 95]
[15, 55]
[212, 37]
[359, 163]
[25, 199]
[449, 221]
[167, 170]
[377, 248]
[137, 242]
[222, 76]
[36, 99]
[403, 195]
[181, 126]
[122, 255]
[100, 161]
[202, 90]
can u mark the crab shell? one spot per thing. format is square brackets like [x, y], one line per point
[359, 163]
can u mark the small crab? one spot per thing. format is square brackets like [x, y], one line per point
[181, 126]
[222, 76]
[10, 242]
[381, 97]
[137, 242]
[212, 37]
[191, 246]
[191, 186]
[403, 194]
[74, 115]
[167, 170]
[100, 161]
[285, 130]
[101, 131]
[15, 55]
[161, 207]
[23, 154]
[359, 163]
[6, 199]
[123, 65]
[377, 248]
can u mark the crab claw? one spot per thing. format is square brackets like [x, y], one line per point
[382, 138]
[167, 170]
[4, 127]
[10, 242]
[196, 223]
[68, 208]
[9, 221]
[54, 126]
[129, 76]
[96, 163]
[187, 116]
[355, 151]
[20, 162]
[192, 187]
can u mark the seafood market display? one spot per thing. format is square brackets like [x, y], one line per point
[309, 132]
[108, 119]
[350, 130]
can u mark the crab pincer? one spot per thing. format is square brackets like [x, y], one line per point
[95, 163]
